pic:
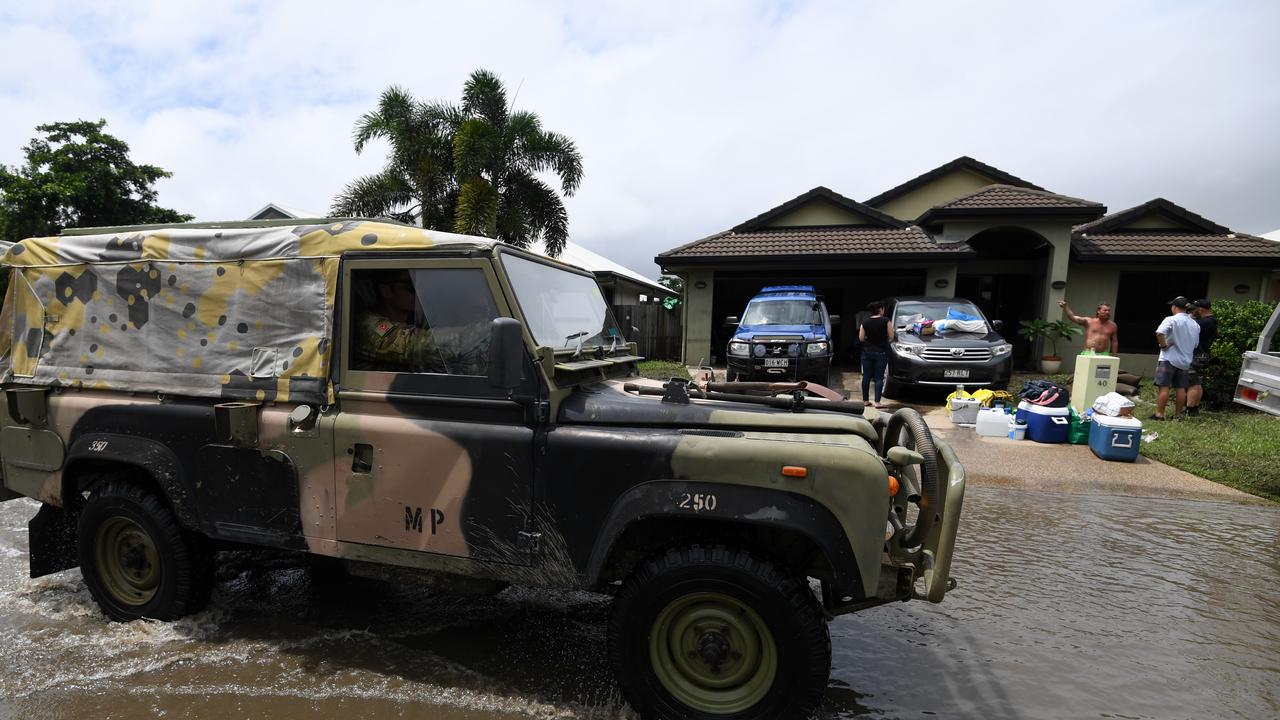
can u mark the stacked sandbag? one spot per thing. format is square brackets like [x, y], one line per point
[1127, 383]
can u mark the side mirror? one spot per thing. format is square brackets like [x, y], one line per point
[997, 324]
[506, 353]
[835, 319]
[731, 320]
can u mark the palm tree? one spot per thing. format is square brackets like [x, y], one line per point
[417, 184]
[471, 169]
[497, 157]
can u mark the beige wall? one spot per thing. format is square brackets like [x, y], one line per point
[941, 272]
[944, 189]
[1153, 221]
[696, 319]
[1090, 285]
[821, 212]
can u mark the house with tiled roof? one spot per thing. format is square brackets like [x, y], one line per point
[968, 229]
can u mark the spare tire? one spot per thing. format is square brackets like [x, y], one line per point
[908, 429]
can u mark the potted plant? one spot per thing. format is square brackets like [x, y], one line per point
[1053, 332]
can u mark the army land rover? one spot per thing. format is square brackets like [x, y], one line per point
[399, 398]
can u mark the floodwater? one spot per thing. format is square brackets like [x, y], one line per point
[1069, 606]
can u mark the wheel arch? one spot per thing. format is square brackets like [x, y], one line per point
[95, 456]
[793, 529]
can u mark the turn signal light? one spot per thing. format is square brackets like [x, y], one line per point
[795, 471]
[1249, 394]
[893, 486]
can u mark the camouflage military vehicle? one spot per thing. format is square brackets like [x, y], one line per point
[400, 398]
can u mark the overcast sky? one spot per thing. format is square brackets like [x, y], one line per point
[691, 116]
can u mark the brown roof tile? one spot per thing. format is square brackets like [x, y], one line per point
[963, 162]
[1166, 244]
[825, 240]
[1008, 196]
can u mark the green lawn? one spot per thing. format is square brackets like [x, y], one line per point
[662, 369]
[1239, 448]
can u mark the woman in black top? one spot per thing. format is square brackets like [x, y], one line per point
[875, 333]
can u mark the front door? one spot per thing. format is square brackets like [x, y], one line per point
[430, 457]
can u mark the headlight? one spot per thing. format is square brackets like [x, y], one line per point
[1004, 349]
[739, 349]
[908, 349]
[817, 348]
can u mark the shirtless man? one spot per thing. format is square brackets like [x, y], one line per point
[1099, 331]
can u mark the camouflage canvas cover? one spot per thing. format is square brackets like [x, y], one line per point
[240, 313]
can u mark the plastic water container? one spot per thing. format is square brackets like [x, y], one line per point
[1017, 430]
[992, 423]
[964, 412]
[1115, 438]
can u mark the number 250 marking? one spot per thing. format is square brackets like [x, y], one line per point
[697, 502]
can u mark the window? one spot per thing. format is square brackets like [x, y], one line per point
[1142, 302]
[421, 321]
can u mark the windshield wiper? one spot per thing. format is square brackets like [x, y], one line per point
[576, 336]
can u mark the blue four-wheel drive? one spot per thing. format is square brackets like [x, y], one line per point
[783, 335]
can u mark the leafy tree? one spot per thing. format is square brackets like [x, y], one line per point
[674, 283]
[472, 168]
[1239, 326]
[76, 175]
[417, 183]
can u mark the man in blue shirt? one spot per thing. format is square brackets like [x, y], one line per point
[1177, 337]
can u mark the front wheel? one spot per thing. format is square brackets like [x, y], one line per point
[704, 632]
[136, 560]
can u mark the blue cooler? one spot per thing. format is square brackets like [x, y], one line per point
[1045, 424]
[1115, 438]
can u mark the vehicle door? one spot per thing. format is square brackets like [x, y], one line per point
[430, 456]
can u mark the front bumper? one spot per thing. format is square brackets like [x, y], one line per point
[797, 368]
[935, 565]
[912, 370]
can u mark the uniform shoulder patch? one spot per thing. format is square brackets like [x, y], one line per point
[382, 328]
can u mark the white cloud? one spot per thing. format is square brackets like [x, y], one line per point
[691, 116]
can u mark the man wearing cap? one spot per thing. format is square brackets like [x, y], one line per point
[1177, 337]
[1202, 311]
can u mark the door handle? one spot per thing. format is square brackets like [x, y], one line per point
[362, 458]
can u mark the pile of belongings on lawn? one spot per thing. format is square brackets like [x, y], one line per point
[1045, 394]
[1113, 404]
[1127, 383]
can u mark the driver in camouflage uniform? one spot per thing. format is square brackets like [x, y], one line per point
[388, 340]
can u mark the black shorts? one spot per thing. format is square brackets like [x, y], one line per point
[1169, 375]
[1195, 376]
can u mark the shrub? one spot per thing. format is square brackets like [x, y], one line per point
[1239, 325]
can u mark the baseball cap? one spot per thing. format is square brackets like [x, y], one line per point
[1202, 303]
[1181, 301]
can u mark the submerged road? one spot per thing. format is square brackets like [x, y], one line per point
[1069, 605]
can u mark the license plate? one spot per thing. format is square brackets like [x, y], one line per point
[956, 373]
[782, 362]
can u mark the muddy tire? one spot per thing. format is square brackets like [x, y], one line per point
[702, 632]
[136, 560]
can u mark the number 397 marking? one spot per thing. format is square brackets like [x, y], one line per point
[697, 502]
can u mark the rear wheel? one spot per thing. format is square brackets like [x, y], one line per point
[136, 560]
[705, 632]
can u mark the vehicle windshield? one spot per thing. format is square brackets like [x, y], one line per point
[911, 312]
[782, 312]
[562, 309]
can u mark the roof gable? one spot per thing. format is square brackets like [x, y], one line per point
[819, 203]
[1157, 214]
[963, 166]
